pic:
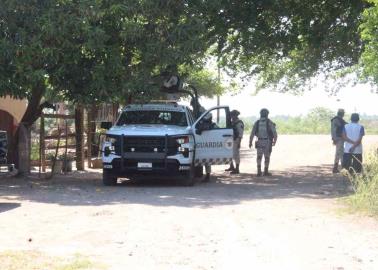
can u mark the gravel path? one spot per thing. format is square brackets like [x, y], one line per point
[292, 220]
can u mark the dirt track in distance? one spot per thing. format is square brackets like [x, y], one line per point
[289, 221]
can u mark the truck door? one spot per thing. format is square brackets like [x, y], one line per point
[213, 140]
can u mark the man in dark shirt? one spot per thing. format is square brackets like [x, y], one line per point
[337, 127]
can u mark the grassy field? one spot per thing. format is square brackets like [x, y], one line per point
[365, 197]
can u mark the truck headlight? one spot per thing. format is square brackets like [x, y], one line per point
[110, 140]
[109, 145]
[183, 145]
[182, 140]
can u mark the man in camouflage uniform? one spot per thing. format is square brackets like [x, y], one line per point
[337, 127]
[209, 124]
[265, 131]
[238, 127]
[198, 110]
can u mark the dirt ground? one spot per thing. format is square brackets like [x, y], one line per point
[292, 220]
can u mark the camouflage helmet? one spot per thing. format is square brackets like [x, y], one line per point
[264, 112]
[234, 113]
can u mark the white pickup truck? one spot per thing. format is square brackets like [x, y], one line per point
[161, 140]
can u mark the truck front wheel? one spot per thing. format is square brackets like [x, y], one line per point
[198, 171]
[189, 178]
[108, 179]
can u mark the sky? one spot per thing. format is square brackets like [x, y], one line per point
[358, 98]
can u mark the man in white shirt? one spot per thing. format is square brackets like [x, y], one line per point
[352, 135]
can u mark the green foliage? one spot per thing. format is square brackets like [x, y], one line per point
[365, 186]
[317, 121]
[90, 51]
[205, 81]
[285, 42]
[369, 34]
[34, 153]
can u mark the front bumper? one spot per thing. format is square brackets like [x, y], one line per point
[6, 168]
[160, 167]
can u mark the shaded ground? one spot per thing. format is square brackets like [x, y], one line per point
[288, 221]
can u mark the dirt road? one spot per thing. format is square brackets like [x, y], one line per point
[289, 221]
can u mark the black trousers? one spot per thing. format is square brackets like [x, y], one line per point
[352, 162]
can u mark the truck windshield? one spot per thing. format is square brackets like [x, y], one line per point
[153, 118]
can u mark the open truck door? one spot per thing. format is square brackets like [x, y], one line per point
[213, 141]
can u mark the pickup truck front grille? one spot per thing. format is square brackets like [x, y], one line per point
[147, 144]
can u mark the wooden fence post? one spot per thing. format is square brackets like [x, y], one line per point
[42, 146]
[79, 127]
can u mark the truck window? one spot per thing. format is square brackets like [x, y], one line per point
[153, 117]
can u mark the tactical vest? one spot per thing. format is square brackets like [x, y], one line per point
[268, 128]
[236, 132]
[339, 128]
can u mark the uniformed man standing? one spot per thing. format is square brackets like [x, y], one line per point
[209, 125]
[265, 131]
[337, 127]
[198, 110]
[238, 127]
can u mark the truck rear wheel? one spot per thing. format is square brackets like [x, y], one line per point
[108, 179]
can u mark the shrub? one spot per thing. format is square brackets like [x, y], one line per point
[365, 185]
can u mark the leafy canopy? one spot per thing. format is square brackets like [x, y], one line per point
[284, 42]
[88, 51]
[369, 34]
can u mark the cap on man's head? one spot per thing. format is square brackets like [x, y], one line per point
[340, 112]
[355, 117]
[234, 113]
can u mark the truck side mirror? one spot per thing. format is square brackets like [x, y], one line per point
[106, 125]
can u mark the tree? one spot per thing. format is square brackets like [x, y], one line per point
[91, 51]
[285, 42]
[369, 34]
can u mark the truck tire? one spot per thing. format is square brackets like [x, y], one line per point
[189, 178]
[108, 179]
[198, 171]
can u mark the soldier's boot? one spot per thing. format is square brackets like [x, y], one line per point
[266, 172]
[236, 170]
[259, 173]
[335, 168]
[231, 168]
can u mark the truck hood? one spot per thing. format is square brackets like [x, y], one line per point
[148, 130]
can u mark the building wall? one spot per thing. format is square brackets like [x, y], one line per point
[16, 107]
[11, 112]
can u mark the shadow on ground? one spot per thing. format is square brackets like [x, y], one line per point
[8, 206]
[86, 189]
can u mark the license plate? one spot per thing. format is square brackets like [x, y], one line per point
[144, 165]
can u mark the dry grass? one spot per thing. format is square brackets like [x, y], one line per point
[365, 197]
[34, 260]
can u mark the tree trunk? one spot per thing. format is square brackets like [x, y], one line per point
[79, 130]
[24, 146]
[22, 139]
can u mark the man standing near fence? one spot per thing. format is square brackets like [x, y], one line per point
[337, 127]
